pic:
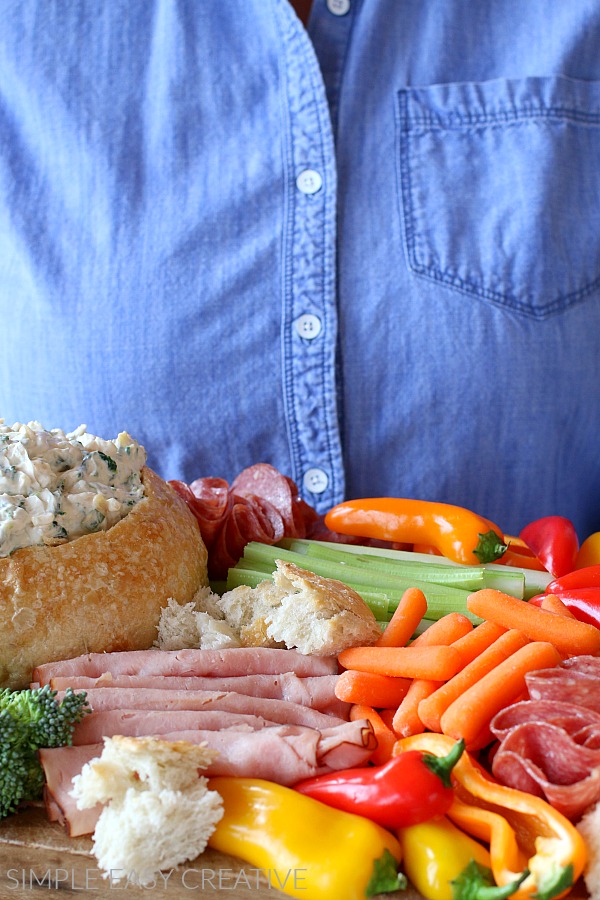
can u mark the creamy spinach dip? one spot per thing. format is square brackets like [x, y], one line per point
[55, 486]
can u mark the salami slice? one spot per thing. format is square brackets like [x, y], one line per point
[585, 665]
[575, 720]
[560, 684]
[264, 480]
[543, 760]
[210, 501]
[249, 519]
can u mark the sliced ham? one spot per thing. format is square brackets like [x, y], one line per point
[317, 691]
[137, 722]
[221, 663]
[281, 711]
[282, 754]
[61, 765]
[285, 754]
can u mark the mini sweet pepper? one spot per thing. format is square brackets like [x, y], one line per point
[306, 848]
[459, 534]
[554, 541]
[523, 832]
[410, 788]
[445, 863]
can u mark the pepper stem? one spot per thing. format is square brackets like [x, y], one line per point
[556, 880]
[385, 877]
[476, 882]
[442, 765]
[489, 547]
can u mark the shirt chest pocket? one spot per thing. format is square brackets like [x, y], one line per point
[500, 189]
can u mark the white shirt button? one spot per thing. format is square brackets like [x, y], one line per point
[315, 481]
[338, 7]
[309, 181]
[308, 326]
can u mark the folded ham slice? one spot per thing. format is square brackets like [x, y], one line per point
[139, 722]
[61, 765]
[280, 711]
[221, 663]
[284, 754]
[317, 691]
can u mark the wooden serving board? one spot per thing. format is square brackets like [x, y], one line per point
[37, 859]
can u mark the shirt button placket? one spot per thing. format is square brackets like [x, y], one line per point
[309, 332]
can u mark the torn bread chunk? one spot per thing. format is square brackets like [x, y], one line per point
[158, 811]
[248, 611]
[319, 615]
[295, 610]
[198, 624]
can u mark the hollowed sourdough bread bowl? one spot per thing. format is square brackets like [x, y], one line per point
[102, 591]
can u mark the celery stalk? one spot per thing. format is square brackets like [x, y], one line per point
[378, 602]
[468, 577]
[520, 582]
[381, 575]
[381, 591]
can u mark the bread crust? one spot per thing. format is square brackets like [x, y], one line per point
[102, 591]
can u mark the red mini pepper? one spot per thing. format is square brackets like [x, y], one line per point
[583, 602]
[410, 788]
[588, 577]
[554, 541]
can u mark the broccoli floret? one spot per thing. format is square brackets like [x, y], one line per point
[30, 720]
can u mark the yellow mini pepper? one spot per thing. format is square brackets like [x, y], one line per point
[306, 848]
[589, 552]
[523, 831]
[445, 863]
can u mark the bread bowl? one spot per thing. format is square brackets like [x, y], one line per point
[100, 591]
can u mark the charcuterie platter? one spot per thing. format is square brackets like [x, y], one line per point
[270, 706]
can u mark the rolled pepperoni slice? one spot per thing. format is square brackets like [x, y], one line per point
[210, 502]
[249, 519]
[265, 481]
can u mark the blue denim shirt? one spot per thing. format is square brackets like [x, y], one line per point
[367, 252]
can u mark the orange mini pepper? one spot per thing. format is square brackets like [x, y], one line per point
[459, 534]
[522, 831]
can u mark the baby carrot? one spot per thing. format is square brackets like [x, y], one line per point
[435, 663]
[552, 603]
[404, 621]
[446, 630]
[468, 715]
[371, 689]
[388, 717]
[569, 636]
[477, 640]
[432, 708]
[385, 736]
[407, 720]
